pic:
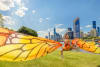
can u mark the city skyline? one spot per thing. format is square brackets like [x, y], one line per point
[55, 36]
[43, 16]
[76, 32]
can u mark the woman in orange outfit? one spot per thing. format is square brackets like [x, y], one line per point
[67, 44]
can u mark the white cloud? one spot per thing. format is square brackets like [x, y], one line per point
[58, 25]
[8, 20]
[33, 11]
[6, 4]
[41, 20]
[21, 11]
[44, 33]
[60, 30]
[44, 19]
[18, 2]
[88, 26]
[47, 19]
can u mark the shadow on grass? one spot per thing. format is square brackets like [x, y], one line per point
[98, 66]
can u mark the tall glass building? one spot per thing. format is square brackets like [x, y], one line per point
[49, 35]
[70, 33]
[98, 31]
[76, 28]
[54, 33]
[94, 24]
[69, 29]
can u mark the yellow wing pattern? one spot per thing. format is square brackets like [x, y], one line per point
[88, 46]
[20, 47]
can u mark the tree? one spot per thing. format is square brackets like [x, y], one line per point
[1, 21]
[27, 31]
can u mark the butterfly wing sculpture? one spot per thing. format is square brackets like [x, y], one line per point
[79, 43]
[19, 47]
[88, 46]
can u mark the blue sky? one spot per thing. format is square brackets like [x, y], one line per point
[44, 15]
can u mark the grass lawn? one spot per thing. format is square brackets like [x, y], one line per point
[71, 59]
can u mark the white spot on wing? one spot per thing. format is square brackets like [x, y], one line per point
[15, 40]
[19, 36]
[13, 35]
[8, 41]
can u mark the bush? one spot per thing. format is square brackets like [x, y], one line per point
[27, 31]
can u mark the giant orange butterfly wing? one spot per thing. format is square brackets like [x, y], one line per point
[88, 46]
[20, 47]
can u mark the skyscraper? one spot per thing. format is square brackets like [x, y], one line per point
[70, 33]
[76, 28]
[94, 24]
[54, 30]
[93, 31]
[49, 35]
[98, 31]
[81, 34]
[54, 33]
[69, 29]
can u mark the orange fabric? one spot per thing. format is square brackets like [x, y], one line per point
[2, 40]
[67, 45]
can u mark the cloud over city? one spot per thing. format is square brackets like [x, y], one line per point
[88, 26]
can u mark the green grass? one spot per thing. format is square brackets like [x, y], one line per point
[71, 59]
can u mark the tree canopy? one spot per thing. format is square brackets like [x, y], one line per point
[1, 21]
[27, 31]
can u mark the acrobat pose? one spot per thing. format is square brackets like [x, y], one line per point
[79, 43]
